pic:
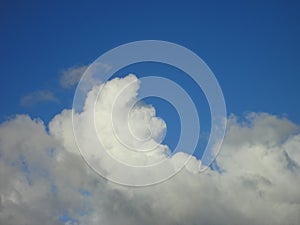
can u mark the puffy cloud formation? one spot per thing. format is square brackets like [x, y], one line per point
[45, 181]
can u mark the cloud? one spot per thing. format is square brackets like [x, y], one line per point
[45, 181]
[71, 76]
[37, 97]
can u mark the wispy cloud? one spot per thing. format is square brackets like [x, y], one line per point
[71, 76]
[38, 96]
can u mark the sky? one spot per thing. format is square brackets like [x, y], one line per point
[252, 46]
[253, 49]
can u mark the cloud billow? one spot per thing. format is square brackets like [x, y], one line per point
[44, 178]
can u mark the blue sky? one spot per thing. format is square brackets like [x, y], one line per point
[251, 46]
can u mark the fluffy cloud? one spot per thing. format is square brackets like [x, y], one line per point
[45, 181]
[38, 96]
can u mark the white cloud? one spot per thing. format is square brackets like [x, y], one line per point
[43, 176]
[37, 97]
[71, 76]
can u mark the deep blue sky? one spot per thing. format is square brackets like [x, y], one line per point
[252, 47]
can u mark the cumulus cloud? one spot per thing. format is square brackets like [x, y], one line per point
[71, 76]
[37, 97]
[45, 181]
